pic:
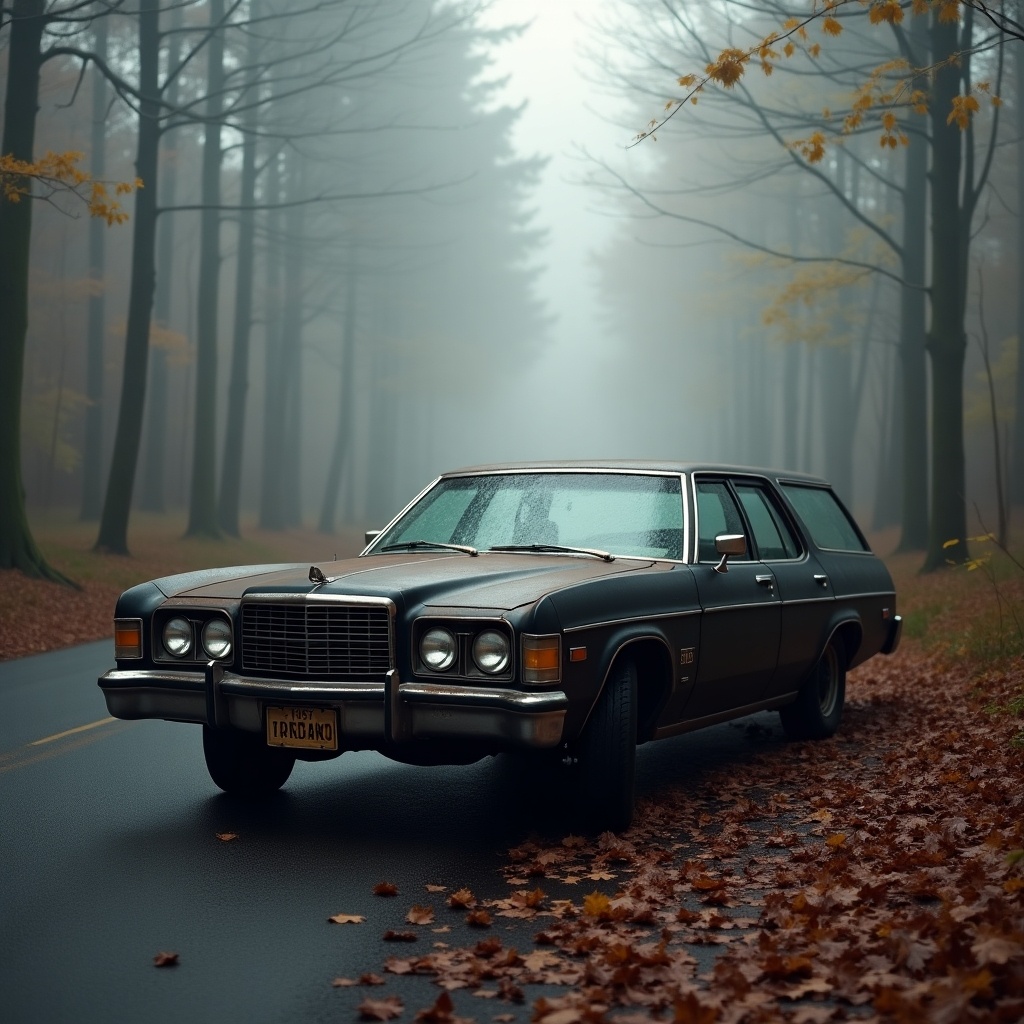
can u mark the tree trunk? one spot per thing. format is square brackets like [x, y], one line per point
[292, 350]
[913, 369]
[18, 548]
[1017, 468]
[344, 422]
[271, 515]
[154, 460]
[238, 387]
[92, 456]
[202, 513]
[113, 533]
[947, 343]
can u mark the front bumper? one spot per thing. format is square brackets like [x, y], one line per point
[369, 714]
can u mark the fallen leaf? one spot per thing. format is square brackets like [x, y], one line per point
[385, 889]
[392, 936]
[463, 899]
[163, 959]
[478, 919]
[346, 919]
[226, 837]
[420, 915]
[435, 888]
[380, 1009]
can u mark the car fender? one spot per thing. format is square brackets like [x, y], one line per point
[848, 626]
[657, 690]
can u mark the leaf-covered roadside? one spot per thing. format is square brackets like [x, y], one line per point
[872, 876]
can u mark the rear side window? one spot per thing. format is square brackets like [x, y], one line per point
[826, 520]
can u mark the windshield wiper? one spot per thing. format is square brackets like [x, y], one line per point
[596, 552]
[465, 548]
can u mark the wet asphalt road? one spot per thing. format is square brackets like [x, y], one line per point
[108, 855]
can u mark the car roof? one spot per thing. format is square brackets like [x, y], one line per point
[633, 465]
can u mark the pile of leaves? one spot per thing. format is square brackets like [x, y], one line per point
[874, 876]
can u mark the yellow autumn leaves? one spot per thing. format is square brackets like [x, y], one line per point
[889, 86]
[59, 172]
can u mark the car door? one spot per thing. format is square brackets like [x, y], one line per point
[740, 610]
[803, 586]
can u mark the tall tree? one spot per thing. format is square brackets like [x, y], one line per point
[202, 515]
[113, 531]
[92, 458]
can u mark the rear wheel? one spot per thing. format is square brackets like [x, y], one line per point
[607, 754]
[242, 764]
[818, 708]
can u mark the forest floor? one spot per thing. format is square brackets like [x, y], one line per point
[878, 875]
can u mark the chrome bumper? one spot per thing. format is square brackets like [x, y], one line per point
[368, 713]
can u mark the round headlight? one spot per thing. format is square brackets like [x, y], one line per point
[491, 651]
[437, 649]
[178, 637]
[217, 638]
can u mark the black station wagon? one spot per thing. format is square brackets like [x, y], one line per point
[568, 611]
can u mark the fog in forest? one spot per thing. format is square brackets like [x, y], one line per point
[393, 238]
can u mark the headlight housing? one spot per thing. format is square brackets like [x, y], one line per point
[217, 638]
[438, 649]
[177, 637]
[491, 652]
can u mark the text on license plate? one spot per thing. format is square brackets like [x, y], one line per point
[310, 728]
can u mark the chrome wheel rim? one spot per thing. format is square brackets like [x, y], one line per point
[828, 682]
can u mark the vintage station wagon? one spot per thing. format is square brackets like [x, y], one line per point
[566, 610]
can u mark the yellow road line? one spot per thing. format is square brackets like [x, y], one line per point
[26, 755]
[71, 732]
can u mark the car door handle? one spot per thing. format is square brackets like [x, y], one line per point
[820, 577]
[766, 581]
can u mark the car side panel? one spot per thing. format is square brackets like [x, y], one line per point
[606, 615]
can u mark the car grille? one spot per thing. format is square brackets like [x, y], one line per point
[315, 639]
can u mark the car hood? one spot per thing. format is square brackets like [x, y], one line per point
[491, 580]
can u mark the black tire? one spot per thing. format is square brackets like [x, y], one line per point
[818, 709]
[242, 764]
[607, 754]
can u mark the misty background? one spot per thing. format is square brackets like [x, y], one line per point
[423, 236]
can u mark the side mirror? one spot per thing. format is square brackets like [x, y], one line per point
[371, 535]
[727, 544]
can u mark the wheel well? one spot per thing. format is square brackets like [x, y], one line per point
[653, 679]
[849, 634]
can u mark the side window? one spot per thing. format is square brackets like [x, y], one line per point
[826, 520]
[716, 513]
[774, 538]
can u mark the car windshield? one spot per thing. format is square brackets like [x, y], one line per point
[623, 513]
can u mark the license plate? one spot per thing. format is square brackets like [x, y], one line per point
[306, 728]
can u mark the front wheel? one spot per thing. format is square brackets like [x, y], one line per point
[607, 754]
[818, 708]
[242, 764]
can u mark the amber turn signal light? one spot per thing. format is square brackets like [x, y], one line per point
[542, 658]
[127, 638]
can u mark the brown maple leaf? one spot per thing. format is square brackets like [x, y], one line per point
[440, 1013]
[463, 899]
[226, 837]
[380, 1009]
[392, 936]
[163, 959]
[479, 919]
[420, 915]
[346, 919]
[689, 1009]
[385, 889]
[435, 888]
